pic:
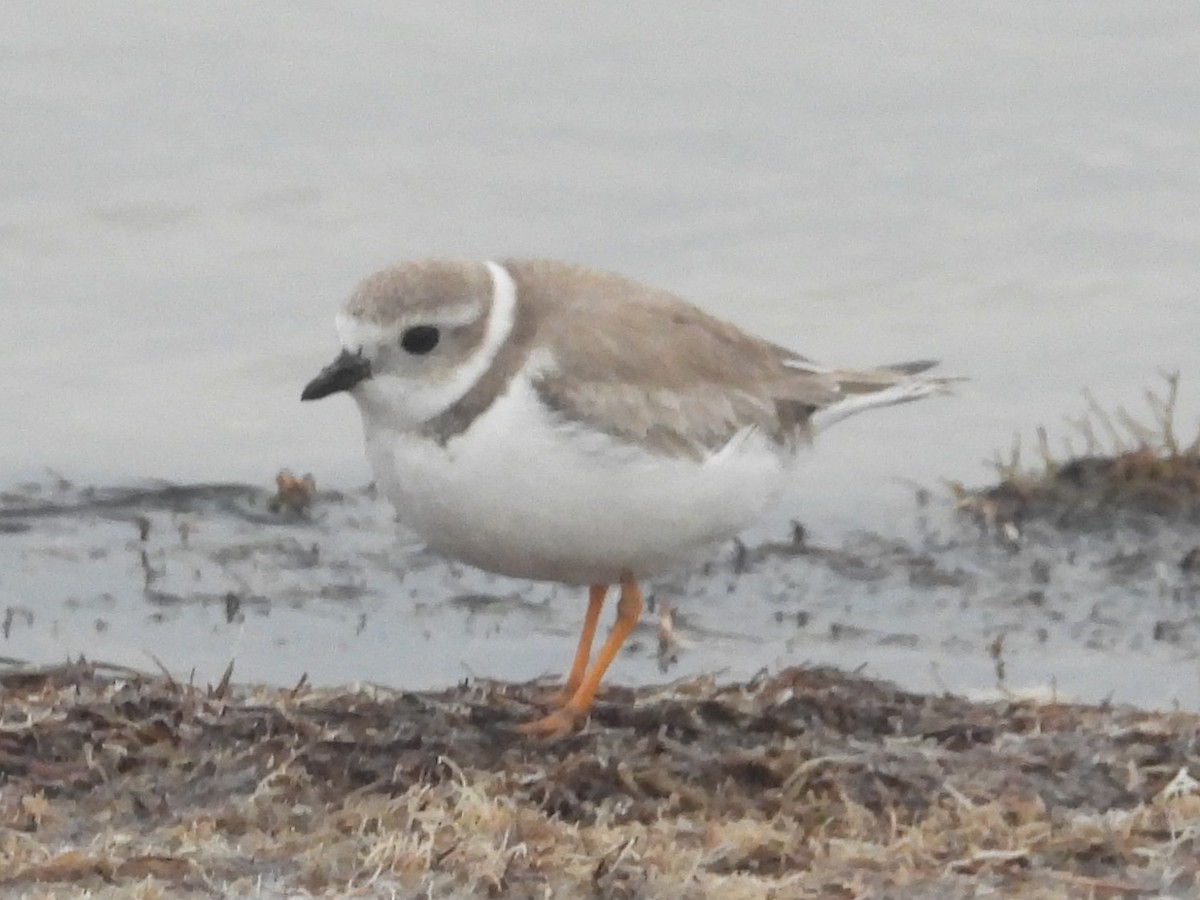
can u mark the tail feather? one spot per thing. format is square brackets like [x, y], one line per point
[875, 388]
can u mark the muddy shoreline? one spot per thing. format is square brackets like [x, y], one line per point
[1002, 590]
[753, 751]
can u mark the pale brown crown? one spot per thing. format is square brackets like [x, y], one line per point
[427, 287]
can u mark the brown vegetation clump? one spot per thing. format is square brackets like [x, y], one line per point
[808, 783]
[1126, 469]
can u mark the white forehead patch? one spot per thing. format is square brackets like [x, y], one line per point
[355, 334]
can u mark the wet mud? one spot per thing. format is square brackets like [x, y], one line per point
[1038, 585]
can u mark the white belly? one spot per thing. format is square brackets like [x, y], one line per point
[521, 495]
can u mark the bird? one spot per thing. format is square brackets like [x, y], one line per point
[554, 422]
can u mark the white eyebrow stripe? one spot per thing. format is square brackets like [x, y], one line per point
[450, 316]
[356, 334]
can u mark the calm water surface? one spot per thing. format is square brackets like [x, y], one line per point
[187, 192]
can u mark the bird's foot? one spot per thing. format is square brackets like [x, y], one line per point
[557, 724]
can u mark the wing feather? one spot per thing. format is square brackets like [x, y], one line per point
[655, 370]
[658, 371]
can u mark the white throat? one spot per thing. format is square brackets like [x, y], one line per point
[406, 403]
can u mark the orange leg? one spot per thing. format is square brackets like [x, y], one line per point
[583, 651]
[564, 720]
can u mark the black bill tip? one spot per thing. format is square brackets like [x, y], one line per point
[340, 375]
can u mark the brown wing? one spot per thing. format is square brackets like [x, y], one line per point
[655, 370]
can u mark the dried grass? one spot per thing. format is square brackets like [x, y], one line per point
[1126, 466]
[810, 783]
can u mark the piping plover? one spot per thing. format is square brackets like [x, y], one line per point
[548, 421]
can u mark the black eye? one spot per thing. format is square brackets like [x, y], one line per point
[420, 339]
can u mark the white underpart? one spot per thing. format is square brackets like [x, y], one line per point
[524, 494]
[408, 402]
[901, 392]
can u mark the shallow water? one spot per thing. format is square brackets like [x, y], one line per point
[188, 192]
[191, 578]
